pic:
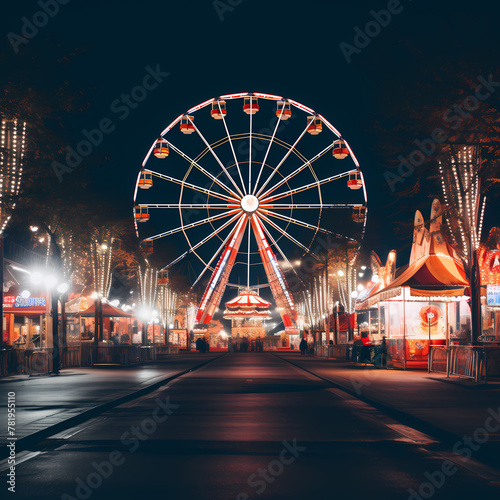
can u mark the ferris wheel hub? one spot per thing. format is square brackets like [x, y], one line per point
[249, 203]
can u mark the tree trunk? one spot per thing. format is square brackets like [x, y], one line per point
[56, 348]
[475, 299]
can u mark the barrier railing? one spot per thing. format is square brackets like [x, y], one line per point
[71, 357]
[39, 362]
[491, 366]
[459, 361]
[331, 351]
[167, 349]
[464, 362]
[438, 359]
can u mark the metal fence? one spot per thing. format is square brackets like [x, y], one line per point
[459, 361]
[163, 350]
[39, 361]
[331, 351]
[115, 354]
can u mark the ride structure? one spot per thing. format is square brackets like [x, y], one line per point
[248, 195]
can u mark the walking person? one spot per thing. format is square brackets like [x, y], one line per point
[303, 346]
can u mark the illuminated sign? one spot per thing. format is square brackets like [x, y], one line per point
[20, 302]
[493, 295]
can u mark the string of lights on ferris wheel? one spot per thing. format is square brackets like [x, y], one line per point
[240, 202]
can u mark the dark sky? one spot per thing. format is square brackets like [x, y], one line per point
[284, 47]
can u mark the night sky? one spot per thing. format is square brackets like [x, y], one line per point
[290, 48]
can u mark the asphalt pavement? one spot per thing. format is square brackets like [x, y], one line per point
[248, 425]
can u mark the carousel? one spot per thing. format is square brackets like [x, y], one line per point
[247, 313]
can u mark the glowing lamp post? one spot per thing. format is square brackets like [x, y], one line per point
[56, 287]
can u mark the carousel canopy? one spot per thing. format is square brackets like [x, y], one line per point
[248, 299]
[247, 305]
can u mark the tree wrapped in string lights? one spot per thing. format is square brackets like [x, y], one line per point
[148, 277]
[101, 253]
[167, 304]
[465, 202]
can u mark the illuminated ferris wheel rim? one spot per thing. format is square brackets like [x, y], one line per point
[237, 202]
[259, 95]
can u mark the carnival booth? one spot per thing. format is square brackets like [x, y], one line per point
[25, 311]
[118, 326]
[422, 305]
[489, 265]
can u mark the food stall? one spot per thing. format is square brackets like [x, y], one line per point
[423, 304]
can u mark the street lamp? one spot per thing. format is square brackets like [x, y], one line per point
[56, 287]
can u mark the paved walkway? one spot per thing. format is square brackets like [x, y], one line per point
[43, 402]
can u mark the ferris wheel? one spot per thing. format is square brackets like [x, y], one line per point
[260, 175]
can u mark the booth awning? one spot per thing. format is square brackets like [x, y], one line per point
[434, 275]
[108, 311]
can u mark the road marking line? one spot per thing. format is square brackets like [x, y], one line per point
[412, 434]
[21, 457]
[477, 468]
[408, 432]
[69, 433]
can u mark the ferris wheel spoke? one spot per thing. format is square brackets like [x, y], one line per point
[268, 150]
[273, 241]
[233, 151]
[289, 236]
[297, 171]
[307, 186]
[304, 224]
[215, 206]
[221, 196]
[202, 242]
[219, 250]
[193, 224]
[284, 158]
[203, 170]
[250, 149]
[217, 159]
[248, 255]
[287, 206]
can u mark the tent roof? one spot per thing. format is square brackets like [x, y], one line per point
[248, 299]
[434, 275]
[108, 311]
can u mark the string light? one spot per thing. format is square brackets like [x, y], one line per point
[12, 140]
